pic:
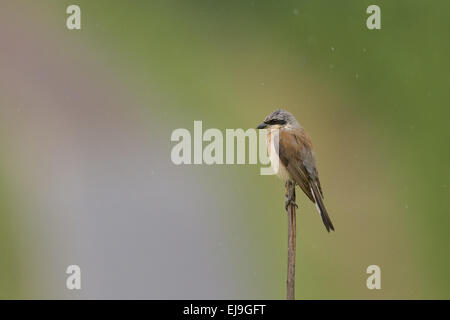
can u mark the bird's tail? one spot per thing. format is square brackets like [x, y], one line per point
[321, 207]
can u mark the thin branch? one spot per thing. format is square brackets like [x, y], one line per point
[290, 283]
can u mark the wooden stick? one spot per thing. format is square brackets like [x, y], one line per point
[290, 283]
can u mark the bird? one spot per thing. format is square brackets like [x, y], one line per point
[295, 157]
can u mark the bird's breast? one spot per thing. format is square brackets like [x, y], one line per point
[281, 171]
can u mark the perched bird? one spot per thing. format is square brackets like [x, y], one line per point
[296, 160]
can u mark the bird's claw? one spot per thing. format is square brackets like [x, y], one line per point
[289, 202]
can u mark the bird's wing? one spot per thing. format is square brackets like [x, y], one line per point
[290, 152]
[309, 164]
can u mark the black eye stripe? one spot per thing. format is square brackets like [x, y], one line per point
[276, 121]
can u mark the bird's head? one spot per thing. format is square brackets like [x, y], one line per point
[277, 119]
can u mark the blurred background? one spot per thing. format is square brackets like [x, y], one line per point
[85, 170]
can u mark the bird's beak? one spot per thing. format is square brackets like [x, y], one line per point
[262, 125]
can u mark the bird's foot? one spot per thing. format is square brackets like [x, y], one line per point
[288, 202]
[290, 194]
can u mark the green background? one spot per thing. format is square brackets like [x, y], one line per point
[375, 103]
